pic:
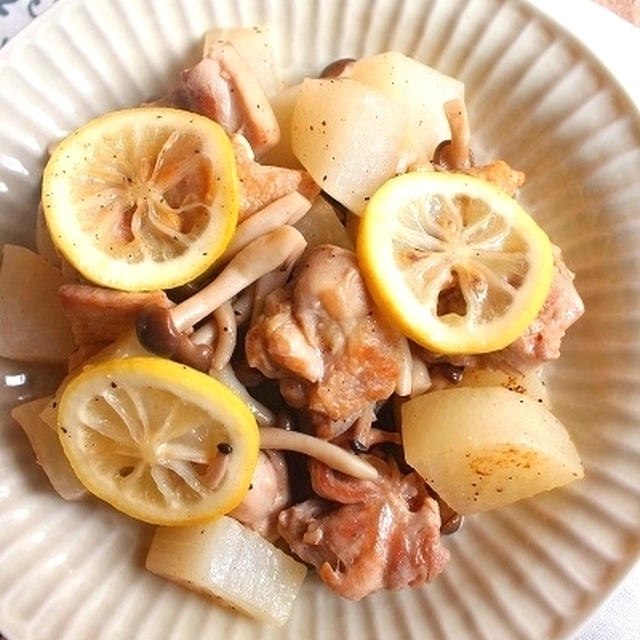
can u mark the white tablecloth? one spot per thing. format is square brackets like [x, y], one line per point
[619, 617]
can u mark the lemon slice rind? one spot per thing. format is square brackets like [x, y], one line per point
[407, 248]
[110, 164]
[142, 433]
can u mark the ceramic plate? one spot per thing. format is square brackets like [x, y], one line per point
[537, 99]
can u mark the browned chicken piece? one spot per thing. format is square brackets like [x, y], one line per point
[367, 535]
[99, 316]
[269, 493]
[262, 184]
[324, 340]
[222, 87]
[499, 174]
[542, 339]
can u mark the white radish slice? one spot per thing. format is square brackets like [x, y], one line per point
[283, 103]
[422, 92]
[46, 445]
[226, 560]
[33, 327]
[348, 136]
[485, 447]
[321, 225]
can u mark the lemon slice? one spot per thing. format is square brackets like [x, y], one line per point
[157, 440]
[457, 264]
[143, 198]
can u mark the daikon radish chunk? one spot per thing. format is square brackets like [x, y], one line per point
[226, 560]
[348, 137]
[283, 103]
[33, 327]
[530, 383]
[46, 445]
[255, 46]
[482, 448]
[422, 92]
[321, 225]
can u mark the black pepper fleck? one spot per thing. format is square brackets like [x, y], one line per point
[225, 448]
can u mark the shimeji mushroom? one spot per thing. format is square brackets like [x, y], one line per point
[404, 383]
[286, 210]
[264, 416]
[414, 377]
[261, 256]
[270, 282]
[420, 376]
[243, 304]
[455, 153]
[275, 437]
[227, 334]
[330, 454]
[163, 331]
[222, 330]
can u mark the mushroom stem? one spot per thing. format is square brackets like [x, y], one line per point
[243, 304]
[403, 384]
[286, 210]
[226, 335]
[216, 470]
[261, 256]
[456, 153]
[420, 376]
[332, 455]
[206, 333]
[270, 282]
[264, 417]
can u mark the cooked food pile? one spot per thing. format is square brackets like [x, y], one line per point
[304, 326]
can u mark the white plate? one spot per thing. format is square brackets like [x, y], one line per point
[538, 99]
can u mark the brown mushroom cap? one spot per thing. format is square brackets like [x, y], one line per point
[157, 332]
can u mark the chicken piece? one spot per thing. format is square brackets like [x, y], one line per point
[324, 340]
[261, 184]
[269, 493]
[99, 316]
[542, 339]
[381, 534]
[499, 174]
[222, 87]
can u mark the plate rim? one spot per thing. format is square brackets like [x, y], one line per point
[540, 7]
